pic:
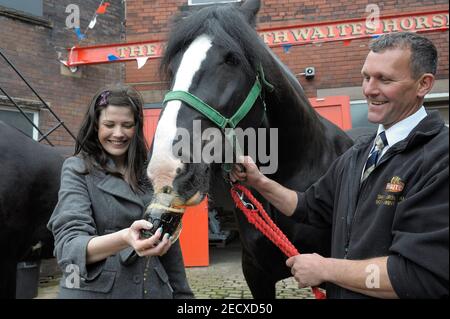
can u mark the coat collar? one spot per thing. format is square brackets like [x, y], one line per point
[426, 129]
[116, 186]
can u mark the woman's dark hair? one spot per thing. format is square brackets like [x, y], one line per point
[90, 148]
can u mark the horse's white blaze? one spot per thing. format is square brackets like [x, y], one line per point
[163, 165]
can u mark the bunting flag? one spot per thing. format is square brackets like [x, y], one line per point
[347, 43]
[141, 61]
[376, 36]
[112, 57]
[287, 47]
[102, 8]
[93, 22]
[80, 35]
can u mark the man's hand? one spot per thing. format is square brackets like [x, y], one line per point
[284, 199]
[357, 275]
[246, 171]
[308, 269]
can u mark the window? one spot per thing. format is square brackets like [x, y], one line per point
[33, 7]
[202, 2]
[438, 102]
[16, 119]
[433, 101]
[358, 111]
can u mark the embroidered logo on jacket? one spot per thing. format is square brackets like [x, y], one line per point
[395, 186]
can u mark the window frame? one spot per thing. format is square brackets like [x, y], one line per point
[20, 8]
[190, 2]
[431, 97]
[363, 103]
[26, 110]
[26, 17]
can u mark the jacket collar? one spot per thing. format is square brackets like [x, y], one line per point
[116, 186]
[427, 128]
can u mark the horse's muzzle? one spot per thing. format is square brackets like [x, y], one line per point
[161, 214]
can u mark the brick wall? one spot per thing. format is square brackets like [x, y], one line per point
[336, 65]
[35, 50]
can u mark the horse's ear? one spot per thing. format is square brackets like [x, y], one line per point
[250, 9]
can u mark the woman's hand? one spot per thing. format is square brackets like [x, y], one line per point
[153, 246]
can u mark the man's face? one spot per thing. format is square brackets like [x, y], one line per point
[390, 89]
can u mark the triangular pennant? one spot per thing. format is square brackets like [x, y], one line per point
[287, 47]
[347, 42]
[102, 8]
[112, 57]
[141, 61]
[80, 35]
[93, 22]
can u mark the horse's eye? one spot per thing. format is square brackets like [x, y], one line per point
[231, 59]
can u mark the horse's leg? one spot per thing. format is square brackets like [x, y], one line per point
[8, 279]
[8, 266]
[259, 281]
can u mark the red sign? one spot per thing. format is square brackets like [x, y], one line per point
[355, 29]
[115, 52]
[293, 35]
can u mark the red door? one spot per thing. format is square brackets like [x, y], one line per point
[335, 109]
[151, 117]
[194, 234]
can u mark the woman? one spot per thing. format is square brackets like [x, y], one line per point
[103, 192]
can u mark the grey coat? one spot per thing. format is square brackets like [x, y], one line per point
[97, 204]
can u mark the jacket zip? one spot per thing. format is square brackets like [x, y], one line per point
[351, 212]
[351, 217]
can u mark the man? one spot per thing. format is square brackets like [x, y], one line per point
[386, 197]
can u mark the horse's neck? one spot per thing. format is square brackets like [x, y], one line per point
[301, 134]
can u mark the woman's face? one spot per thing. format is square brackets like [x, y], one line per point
[116, 129]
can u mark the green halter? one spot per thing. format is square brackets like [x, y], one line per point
[217, 118]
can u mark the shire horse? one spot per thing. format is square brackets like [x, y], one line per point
[215, 55]
[29, 183]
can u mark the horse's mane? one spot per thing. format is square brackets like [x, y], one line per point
[228, 28]
[287, 106]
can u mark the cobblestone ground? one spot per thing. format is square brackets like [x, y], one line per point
[208, 287]
[235, 287]
[222, 279]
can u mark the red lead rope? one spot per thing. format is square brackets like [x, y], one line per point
[258, 217]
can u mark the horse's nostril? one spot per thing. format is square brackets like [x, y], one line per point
[167, 190]
[178, 170]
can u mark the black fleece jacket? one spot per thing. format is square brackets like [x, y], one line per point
[400, 211]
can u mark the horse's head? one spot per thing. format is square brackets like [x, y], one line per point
[214, 59]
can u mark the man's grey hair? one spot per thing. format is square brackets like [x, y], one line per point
[423, 52]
